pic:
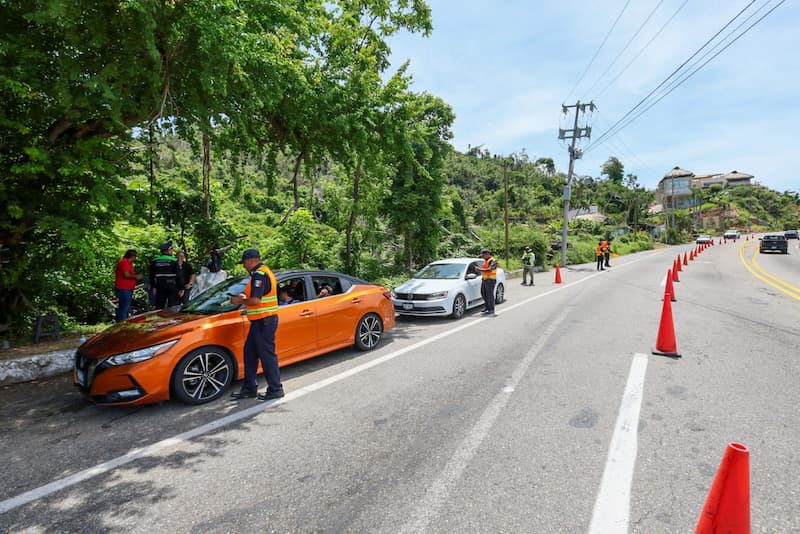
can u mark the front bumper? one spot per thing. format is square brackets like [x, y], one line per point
[135, 383]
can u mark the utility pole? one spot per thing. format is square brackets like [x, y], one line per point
[574, 134]
[505, 181]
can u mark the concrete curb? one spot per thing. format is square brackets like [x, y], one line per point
[37, 366]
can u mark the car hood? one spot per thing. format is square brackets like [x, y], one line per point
[419, 285]
[142, 331]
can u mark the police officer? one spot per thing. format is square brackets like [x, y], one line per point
[261, 302]
[528, 261]
[166, 278]
[599, 251]
[488, 281]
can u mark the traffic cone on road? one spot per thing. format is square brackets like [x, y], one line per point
[678, 263]
[558, 275]
[727, 507]
[684, 259]
[675, 272]
[669, 290]
[665, 342]
[691, 255]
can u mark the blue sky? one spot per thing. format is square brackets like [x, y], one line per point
[507, 66]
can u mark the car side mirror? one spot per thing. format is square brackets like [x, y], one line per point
[472, 276]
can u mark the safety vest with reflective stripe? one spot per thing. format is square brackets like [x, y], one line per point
[269, 301]
[489, 275]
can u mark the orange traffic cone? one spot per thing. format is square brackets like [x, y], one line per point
[727, 507]
[684, 259]
[691, 255]
[724, 240]
[669, 290]
[665, 343]
[558, 275]
[678, 263]
[675, 272]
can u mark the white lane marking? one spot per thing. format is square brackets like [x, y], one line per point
[612, 507]
[150, 450]
[438, 492]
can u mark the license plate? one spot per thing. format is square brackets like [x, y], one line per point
[408, 306]
[80, 377]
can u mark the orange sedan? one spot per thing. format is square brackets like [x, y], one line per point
[194, 354]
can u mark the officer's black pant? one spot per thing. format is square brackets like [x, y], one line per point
[487, 292]
[260, 346]
[606, 256]
[166, 297]
[600, 262]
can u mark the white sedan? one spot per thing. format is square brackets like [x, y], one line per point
[445, 287]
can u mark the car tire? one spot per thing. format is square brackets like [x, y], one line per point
[203, 375]
[459, 307]
[368, 332]
[499, 294]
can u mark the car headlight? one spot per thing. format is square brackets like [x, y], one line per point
[437, 296]
[140, 355]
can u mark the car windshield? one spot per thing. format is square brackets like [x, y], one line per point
[441, 271]
[774, 238]
[217, 298]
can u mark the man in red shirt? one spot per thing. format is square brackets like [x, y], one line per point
[125, 279]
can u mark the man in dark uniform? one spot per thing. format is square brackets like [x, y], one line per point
[166, 278]
[261, 302]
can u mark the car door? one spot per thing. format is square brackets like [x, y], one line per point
[474, 285]
[338, 314]
[297, 327]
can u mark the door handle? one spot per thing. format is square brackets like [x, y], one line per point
[306, 313]
[356, 300]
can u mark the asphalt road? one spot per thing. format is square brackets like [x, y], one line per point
[503, 424]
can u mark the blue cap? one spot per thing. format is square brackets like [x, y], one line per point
[165, 247]
[250, 254]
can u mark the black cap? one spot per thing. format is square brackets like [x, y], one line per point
[485, 251]
[527, 248]
[165, 246]
[249, 254]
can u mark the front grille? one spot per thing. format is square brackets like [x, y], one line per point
[88, 366]
[412, 296]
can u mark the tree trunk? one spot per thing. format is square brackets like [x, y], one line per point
[348, 249]
[407, 249]
[152, 154]
[207, 176]
[295, 184]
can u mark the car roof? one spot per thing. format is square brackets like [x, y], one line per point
[283, 275]
[463, 261]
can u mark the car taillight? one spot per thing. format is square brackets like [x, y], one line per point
[387, 294]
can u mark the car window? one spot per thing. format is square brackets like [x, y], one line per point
[473, 267]
[441, 271]
[774, 238]
[294, 286]
[216, 299]
[332, 284]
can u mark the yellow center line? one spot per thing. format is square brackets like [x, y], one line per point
[785, 290]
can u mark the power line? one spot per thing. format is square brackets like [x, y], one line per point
[624, 48]
[608, 133]
[684, 79]
[674, 72]
[591, 61]
[642, 50]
